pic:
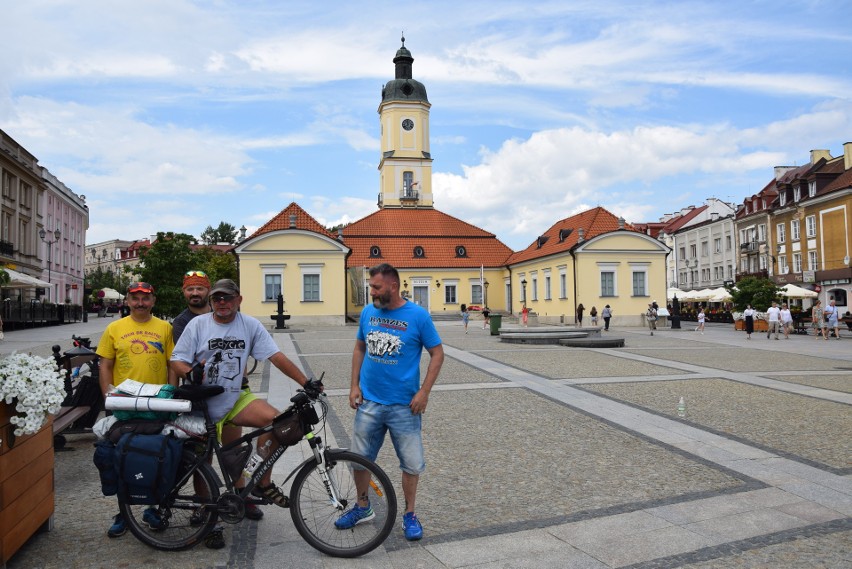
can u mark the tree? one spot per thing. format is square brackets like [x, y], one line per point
[225, 233]
[163, 264]
[101, 278]
[217, 264]
[758, 292]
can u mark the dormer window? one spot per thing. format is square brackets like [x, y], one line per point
[375, 252]
[797, 193]
[563, 234]
[812, 188]
[461, 251]
[541, 241]
[782, 198]
[419, 253]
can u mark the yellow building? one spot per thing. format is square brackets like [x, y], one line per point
[444, 262]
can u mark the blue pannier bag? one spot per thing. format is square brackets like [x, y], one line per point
[147, 467]
[104, 459]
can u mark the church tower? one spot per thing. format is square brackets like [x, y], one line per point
[406, 164]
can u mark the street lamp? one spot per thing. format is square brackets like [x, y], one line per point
[524, 291]
[42, 234]
[485, 300]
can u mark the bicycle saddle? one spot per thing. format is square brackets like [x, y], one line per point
[197, 392]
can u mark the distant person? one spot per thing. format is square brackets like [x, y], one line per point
[525, 316]
[773, 315]
[580, 310]
[831, 318]
[701, 317]
[486, 317]
[606, 314]
[465, 316]
[847, 317]
[786, 321]
[593, 314]
[651, 316]
[818, 320]
[748, 316]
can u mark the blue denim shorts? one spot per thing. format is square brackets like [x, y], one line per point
[373, 420]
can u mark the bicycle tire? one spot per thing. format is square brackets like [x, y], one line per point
[314, 515]
[179, 532]
[251, 366]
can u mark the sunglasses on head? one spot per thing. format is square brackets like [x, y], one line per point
[201, 274]
[140, 287]
[223, 298]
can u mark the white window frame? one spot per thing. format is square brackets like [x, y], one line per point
[608, 268]
[810, 226]
[781, 230]
[795, 232]
[267, 270]
[310, 269]
[812, 188]
[797, 262]
[812, 260]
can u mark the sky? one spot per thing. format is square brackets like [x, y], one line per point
[176, 115]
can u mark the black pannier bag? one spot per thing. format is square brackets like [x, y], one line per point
[147, 467]
[104, 459]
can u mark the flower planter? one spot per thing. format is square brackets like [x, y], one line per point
[739, 325]
[26, 483]
[761, 326]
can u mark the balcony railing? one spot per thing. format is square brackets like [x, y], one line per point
[749, 246]
[6, 249]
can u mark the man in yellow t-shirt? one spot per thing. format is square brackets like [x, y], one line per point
[137, 347]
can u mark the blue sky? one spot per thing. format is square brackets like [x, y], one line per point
[175, 115]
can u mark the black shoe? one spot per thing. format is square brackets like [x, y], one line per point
[253, 512]
[215, 539]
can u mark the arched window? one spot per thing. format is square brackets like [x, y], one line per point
[419, 253]
[375, 251]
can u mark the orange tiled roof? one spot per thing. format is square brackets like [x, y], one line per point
[397, 232]
[594, 222]
[282, 221]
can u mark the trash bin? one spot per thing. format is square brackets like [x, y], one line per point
[496, 321]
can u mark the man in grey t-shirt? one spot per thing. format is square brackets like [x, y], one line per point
[222, 341]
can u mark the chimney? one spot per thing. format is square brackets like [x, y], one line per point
[340, 234]
[621, 224]
[580, 235]
[292, 221]
[847, 155]
[714, 216]
[816, 155]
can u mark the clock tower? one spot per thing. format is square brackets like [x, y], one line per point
[406, 165]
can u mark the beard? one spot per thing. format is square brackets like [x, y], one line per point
[197, 301]
[382, 301]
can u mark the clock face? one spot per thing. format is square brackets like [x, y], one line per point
[408, 124]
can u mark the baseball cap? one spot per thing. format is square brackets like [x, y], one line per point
[226, 286]
[140, 287]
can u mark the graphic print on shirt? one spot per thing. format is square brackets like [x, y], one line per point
[384, 346]
[225, 366]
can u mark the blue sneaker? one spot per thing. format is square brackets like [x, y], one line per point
[118, 527]
[411, 527]
[152, 519]
[354, 517]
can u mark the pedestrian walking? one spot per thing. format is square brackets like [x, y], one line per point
[818, 320]
[651, 316]
[593, 314]
[748, 316]
[525, 316]
[606, 314]
[465, 316]
[580, 310]
[701, 317]
[831, 318]
[786, 320]
[486, 317]
[773, 315]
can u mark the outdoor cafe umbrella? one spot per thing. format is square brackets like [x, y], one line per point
[793, 291]
[674, 292]
[21, 280]
[720, 294]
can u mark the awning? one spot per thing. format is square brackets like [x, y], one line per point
[21, 280]
[110, 294]
[793, 291]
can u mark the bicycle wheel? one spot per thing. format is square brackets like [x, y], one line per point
[179, 528]
[314, 515]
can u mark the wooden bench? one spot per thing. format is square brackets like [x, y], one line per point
[62, 420]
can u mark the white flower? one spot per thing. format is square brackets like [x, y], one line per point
[36, 387]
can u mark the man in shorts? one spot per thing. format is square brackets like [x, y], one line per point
[222, 341]
[386, 391]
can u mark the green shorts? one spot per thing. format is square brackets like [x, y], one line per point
[244, 399]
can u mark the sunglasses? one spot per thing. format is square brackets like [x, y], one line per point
[140, 287]
[222, 298]
[201, 274]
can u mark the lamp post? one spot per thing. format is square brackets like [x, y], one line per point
[524, 291]
[485, 299]
[43, 234]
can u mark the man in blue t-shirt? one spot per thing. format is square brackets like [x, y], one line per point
[386, 391]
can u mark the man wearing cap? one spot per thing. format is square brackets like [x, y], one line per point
[222, 341]
[136, 347]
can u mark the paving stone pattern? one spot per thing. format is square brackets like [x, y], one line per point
[801, 426]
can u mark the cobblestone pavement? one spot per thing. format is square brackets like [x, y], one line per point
[544, 456]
